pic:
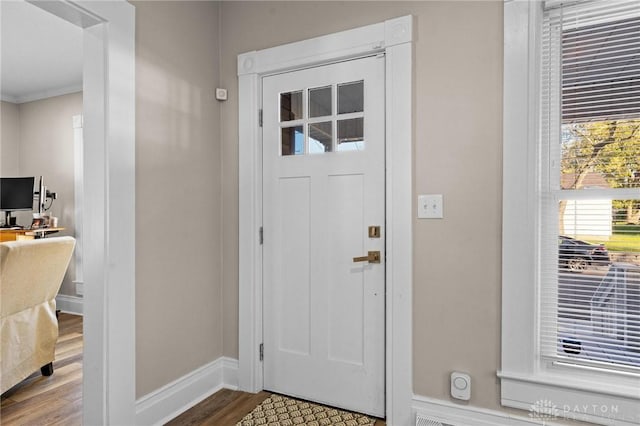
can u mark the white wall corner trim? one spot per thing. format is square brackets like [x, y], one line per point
[394, 38]
[69, 304]
[166, 403]
[450, 413]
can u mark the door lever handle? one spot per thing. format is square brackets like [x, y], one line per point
[371, 257]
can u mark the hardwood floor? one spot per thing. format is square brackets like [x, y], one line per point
[225, 407]
[53, 400]
[57, 399]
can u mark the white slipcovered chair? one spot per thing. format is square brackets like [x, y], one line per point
[31, 272]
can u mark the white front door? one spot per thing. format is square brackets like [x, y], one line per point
[323, 158]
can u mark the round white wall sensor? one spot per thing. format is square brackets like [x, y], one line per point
[460, 383]
[460, 386]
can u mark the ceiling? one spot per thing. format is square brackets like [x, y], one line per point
[41, 53]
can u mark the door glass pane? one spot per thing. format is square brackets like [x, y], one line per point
[292, 141]
[290, 106]
[350, 135]
[351, 97]
[320, 102]
[320, 135]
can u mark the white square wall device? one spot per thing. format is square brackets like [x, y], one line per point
[430, 206]
[221, 94]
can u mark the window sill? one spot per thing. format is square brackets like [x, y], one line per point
[561, 396]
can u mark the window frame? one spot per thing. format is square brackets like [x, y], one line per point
[527, 380]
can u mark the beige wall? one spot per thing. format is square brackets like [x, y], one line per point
[187, 166]
[178, 184]
[9, 138]
[44, 146]
[458, 142]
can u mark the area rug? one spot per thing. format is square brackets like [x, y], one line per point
[280, 410]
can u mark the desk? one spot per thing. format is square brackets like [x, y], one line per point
[26, 234]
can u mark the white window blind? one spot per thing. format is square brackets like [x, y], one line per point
[589, 176]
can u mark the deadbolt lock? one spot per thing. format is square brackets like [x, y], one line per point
[374, 232]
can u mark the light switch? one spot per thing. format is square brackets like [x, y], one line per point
[430, 206]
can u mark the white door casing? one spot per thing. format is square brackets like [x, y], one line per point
[323, 159]
[109, 196]
[78, 181]
[394, 38]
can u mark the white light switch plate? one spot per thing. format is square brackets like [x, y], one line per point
[430, 206]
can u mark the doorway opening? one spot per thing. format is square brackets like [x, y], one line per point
[392, 38]
[323, 177]
[108, 195]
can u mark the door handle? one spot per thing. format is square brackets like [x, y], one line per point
[371, 257]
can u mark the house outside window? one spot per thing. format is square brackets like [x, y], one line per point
[571, 240]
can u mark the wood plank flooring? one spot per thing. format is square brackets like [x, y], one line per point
[53, 400]
[225, 407]
[57, 399]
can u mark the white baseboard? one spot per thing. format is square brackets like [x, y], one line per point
[230, 375]
[171, 400]
[69, 304]
[453, 414]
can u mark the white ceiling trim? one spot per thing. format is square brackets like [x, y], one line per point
[36, 96]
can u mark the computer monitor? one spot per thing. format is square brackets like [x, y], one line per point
[16, 193]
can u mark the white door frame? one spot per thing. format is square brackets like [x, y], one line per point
[109, 205]
[394, 38]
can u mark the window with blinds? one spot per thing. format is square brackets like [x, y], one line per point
[589, 175]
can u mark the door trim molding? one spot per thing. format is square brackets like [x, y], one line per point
[108, 386]
[394, 38]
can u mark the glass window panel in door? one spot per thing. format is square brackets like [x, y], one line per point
[351, 97]
[291, 106]
[320, 102]
[320, 137]
[350, 135]
[292, 142]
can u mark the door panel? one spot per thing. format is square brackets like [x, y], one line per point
[345, 289]
[293, 294]
[323, 162]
